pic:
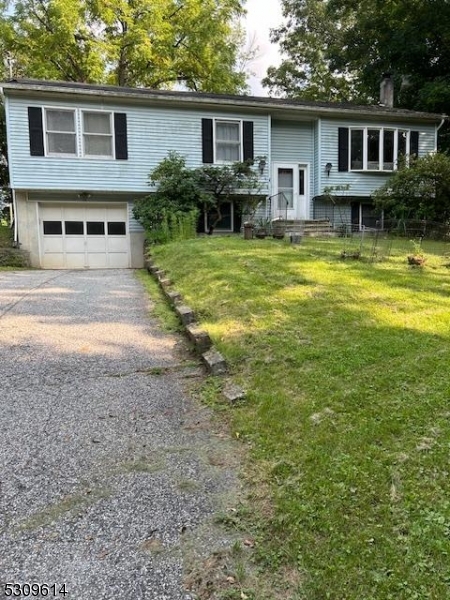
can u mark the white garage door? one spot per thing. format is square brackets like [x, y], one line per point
[80, 237]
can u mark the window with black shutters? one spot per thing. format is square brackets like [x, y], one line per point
[380, 148]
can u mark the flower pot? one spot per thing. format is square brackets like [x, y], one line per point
[278, 231]
[248, 231]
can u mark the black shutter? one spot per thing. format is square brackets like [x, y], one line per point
[343, 149]
[35, 131]
[120, 135]
[414, 143]
[248, 140]
[207, 141]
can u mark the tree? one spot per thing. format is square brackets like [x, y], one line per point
[221, 184]
[181, 190]
[339, 49]
[153, 43]
[305, 38]
[420, 190]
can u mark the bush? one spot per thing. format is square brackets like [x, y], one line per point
[12, 257]
[174, 226]
[181, 192]
[420, 190]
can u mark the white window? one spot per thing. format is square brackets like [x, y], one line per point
[228, 141]
[377, 149]
[97, 134]
[61, 137]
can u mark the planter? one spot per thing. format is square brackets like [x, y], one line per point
[260, 233]
[278, 231]
[248, 231]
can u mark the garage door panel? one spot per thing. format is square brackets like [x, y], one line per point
[120, 261]
[96, 214]
[96, 244]
[115, 214]
[53, 244]
[74, 213]
[53, 261]
[75, 261]
[51, 213]
[99, 261]
[74, 244]
[117, 244]
[87, 235]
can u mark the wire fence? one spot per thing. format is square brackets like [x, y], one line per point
[389, 238]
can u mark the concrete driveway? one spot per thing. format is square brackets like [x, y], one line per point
[106, 466]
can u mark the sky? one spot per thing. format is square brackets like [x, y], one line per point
[262, 15]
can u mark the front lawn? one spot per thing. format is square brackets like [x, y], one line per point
[346, 365]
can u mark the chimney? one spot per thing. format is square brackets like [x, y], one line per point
[387, 91]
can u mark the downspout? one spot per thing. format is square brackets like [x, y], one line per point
[16, 235]
[436, 134]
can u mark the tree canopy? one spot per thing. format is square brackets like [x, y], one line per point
[152, 43]
[338, 50]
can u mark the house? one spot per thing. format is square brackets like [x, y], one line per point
[80, 155]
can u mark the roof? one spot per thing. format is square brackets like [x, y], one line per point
[272, 105]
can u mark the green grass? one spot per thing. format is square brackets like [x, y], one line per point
[5, 237]
[348, 414]
[10, 258]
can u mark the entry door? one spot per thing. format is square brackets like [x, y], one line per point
[290, 191]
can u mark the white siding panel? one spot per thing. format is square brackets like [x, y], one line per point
[362, 184]
[152, 134]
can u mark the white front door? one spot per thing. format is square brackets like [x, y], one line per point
[290, 194]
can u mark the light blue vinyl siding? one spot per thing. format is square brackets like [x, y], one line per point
[152, 133]
[362, 184]
[133, 224]
[293, 142]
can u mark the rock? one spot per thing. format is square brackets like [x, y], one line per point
[185, 314]
[215, 362]
[233, 393]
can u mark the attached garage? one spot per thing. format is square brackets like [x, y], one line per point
[74, 236]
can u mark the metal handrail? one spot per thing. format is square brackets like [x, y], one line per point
[286, 202]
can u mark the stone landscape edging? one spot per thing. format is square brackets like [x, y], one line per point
[213, 360]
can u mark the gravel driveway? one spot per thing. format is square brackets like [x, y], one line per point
[106, 466]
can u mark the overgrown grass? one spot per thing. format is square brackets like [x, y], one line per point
[5, 236]
[10, 258]
[347, 416]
